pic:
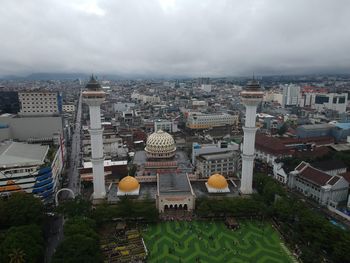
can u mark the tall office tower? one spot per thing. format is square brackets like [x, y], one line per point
[251, 96]
[291, 95]
[94, 96]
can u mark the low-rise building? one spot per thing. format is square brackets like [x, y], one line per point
[224, 163]
[321, 187]
[165, 125]
[68, 107]
[206, 121]
[221, 146]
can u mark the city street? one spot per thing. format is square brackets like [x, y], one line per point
[55, 225]
[74, 154]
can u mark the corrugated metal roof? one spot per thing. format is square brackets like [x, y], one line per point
[20, 154]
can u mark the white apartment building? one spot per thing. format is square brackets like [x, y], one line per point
[330, 101]
[325, 101]
[40, 102]
[205, 121]
[145, 98]
[206, 87]
[165, 125]
[273, 96]
[68, 107]
[223, 163]
[291, 95]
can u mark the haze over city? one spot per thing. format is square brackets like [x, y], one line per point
[189, 131]
[174, 37]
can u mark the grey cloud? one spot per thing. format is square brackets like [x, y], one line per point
[174, 37]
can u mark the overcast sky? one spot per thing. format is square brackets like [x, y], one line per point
[171, 37]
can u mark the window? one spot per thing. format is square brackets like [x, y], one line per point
[321, 99]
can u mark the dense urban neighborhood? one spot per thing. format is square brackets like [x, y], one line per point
[125, 166]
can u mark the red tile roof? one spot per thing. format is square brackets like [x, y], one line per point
[300, 166]
[271, 145]
[333, 180]
[315, 176]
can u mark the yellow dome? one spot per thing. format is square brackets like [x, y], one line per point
[217, 181]
[128, 184]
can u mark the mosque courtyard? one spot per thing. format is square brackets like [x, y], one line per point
[205, 241]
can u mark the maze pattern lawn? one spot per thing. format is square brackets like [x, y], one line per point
[254, 242]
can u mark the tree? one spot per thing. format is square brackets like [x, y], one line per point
[75, 207]
[76, 249]
[82, 226]
[23, 241]
[21, 209]
[17, 256]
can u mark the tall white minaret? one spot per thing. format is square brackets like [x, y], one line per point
[251, 96]
[94, 96]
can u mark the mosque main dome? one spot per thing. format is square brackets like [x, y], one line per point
[160, 145]
[217, 181]
[128, 184]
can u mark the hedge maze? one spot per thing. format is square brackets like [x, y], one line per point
[205, 241]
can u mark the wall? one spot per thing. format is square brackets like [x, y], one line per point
[23, 128]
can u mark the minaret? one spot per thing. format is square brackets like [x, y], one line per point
[94, 96]
[251, 96]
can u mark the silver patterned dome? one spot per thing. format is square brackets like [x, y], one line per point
[160, 144]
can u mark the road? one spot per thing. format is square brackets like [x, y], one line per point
[55, 224]
[74, 155]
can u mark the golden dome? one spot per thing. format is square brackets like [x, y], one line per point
[217, 181]
[128, 184]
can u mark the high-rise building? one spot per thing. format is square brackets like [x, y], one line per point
[291, 95]
[251, 96]
[9, 102]
[40, 102]
[94, 96]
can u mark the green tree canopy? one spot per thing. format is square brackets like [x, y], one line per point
[76, 249]
[26, 240]
[75, 207]
[21, 209]
[82, 226]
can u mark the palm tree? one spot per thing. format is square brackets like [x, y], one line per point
[17, 256]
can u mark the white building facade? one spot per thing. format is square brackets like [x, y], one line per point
[165, 125]
[318, 185]
[291, 95]
[205, 121]
[40, 102]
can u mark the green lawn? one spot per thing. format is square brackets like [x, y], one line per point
[214, 242]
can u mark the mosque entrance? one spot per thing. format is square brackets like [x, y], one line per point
[176, 207]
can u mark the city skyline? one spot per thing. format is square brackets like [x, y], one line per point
[175, 38]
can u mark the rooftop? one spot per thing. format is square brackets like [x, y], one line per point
[315, 176]
[316, 126]
[16, 154]
[217, 156]
[329, 165]
[174, 184]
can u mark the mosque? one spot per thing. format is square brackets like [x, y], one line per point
[163, 172]
[160, 175]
